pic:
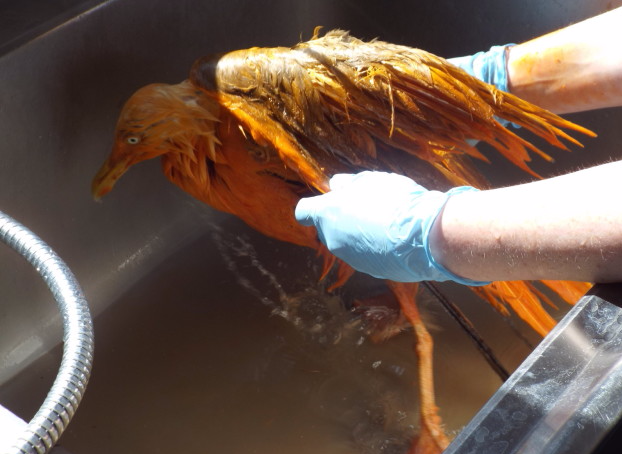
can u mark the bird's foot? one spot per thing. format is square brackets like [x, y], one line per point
[431, 438]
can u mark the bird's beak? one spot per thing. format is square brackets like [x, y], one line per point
[107, 176]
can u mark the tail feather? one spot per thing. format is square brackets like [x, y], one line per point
[569, 291]
[523, 298]
[526, 300]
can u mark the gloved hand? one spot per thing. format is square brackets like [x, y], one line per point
[490, 67]
[379, 223]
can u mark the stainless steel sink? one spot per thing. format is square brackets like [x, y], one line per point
[209, 336]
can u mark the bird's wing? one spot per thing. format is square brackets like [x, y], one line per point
[336, 101]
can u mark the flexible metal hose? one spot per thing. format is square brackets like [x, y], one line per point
[45, 428]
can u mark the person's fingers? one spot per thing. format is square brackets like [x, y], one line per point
[305, 210]
[341, 180]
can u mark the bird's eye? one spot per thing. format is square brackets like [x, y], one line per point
[132, 140]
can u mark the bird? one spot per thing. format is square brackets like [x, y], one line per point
[252, 131]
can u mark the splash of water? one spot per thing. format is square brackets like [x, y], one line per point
[317, 313]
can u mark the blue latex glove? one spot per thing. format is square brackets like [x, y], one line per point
[490, 67]
[379, 223]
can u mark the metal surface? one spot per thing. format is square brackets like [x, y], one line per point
[566, 396]
[24, 20]
[61, 93]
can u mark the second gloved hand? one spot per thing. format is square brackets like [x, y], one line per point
[379, 223]
[489, 66]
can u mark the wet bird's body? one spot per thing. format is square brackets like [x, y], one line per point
[254, 130]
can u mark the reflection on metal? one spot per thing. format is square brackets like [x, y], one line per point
[566, 396]
[10, 425]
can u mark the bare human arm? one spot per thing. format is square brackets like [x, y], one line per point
[573, 69]
[568, 227]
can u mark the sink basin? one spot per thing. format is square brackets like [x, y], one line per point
[210, 336]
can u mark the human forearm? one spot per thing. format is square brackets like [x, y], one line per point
[573, 69]
[562, 228]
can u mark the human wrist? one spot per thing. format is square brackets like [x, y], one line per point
[488, 66]
[445, 250]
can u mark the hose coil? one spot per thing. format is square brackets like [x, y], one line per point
[48, 424]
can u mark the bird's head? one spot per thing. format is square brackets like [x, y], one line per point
[157, 120]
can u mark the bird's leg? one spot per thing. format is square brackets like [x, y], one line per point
[432, 438]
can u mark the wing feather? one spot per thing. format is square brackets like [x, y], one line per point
[338, 97]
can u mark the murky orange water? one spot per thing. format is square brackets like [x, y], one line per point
[192, 360]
